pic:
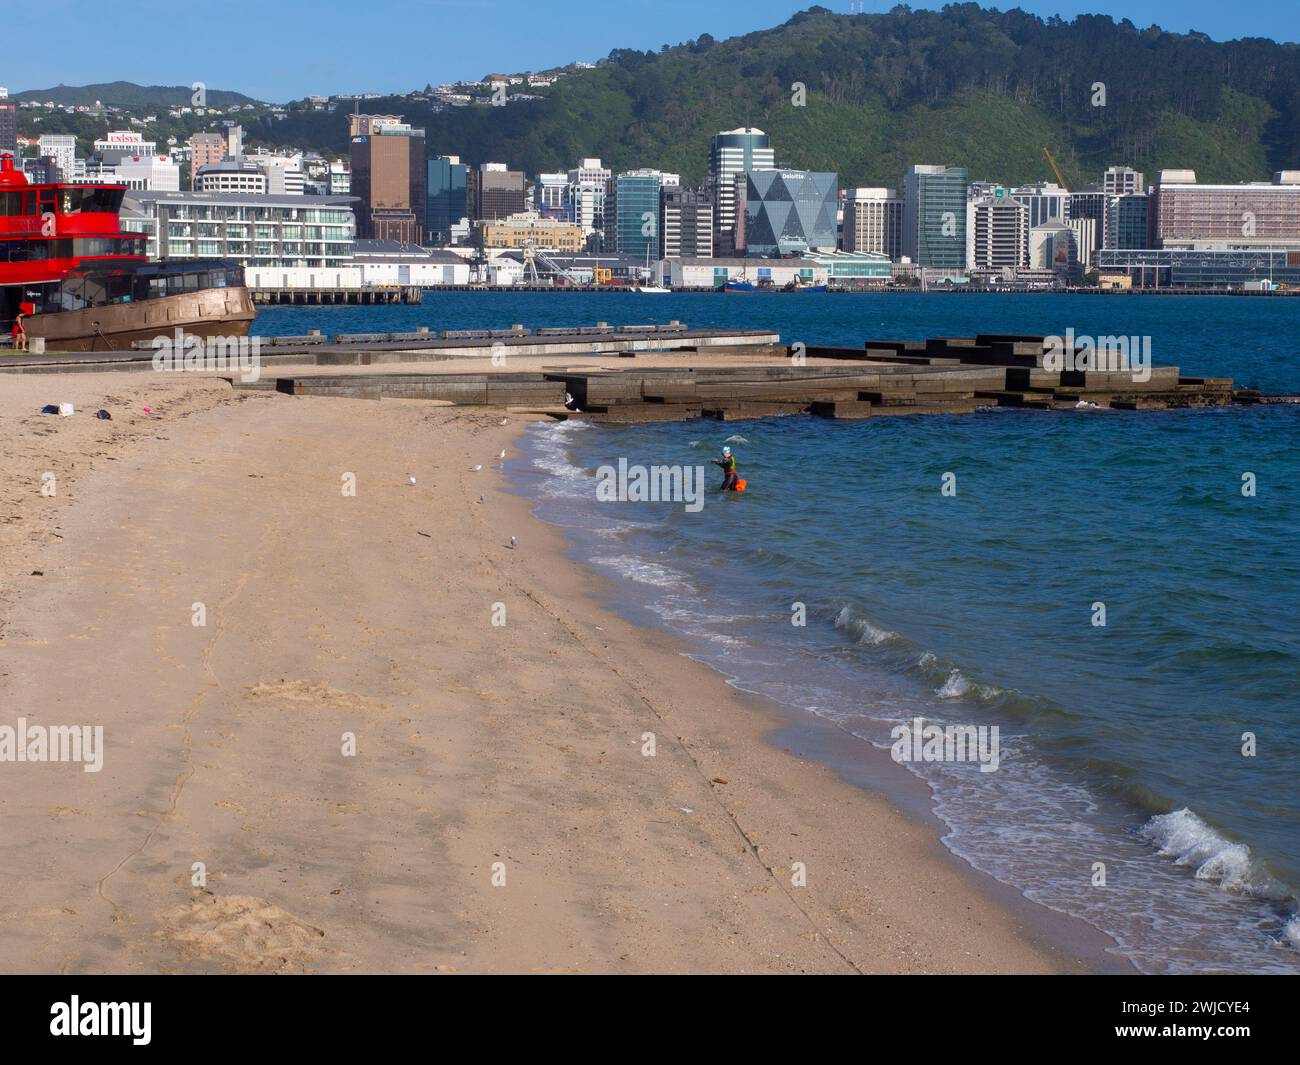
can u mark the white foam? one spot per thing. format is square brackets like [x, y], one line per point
[1187, 839]
[867, 633]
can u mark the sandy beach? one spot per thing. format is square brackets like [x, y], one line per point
[320, 754]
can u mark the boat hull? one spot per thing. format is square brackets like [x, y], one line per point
[210, 312]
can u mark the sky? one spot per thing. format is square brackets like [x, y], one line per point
[277, 50]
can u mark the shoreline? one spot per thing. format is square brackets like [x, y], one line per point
[520, 745]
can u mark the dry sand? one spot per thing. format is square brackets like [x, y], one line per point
[483, 752]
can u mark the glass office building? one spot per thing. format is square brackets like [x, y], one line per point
[632, 218]
[790, 212]
[1128, 221]
[934, 216]
[445, 202]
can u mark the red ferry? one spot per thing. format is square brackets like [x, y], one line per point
[83, 284]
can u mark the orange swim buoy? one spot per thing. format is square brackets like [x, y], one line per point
[740, 484]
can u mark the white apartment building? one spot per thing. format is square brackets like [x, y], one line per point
[62, 148]
[587, 184]
[873, 222]
[1122, 181]
[997, 234]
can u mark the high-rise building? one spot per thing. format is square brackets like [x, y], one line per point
[588, 183]
[446, 197]
[632, 212]
[551, 196]
[495, 192]
[1054, 246]
[1121, 181]
[1047, 202]
[388, 177]
[1091, 203]
[873, 222]
[8, 127]
[205, 149]
[685, 223]
[734, 151]
[62, 148]
[1128, 222]
[999, 233]
[790, 212]
[934, 216]
[1248, 215]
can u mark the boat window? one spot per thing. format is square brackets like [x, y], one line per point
[11, 204]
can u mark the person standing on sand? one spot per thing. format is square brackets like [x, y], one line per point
[728, 464]
[20, 333]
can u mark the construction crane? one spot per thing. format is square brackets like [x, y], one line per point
[1060, 178]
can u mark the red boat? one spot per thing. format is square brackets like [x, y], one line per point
[83, 284]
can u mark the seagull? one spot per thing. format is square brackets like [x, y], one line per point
[475, 469]
[513, 542]
[504, 421]
[503, 454]
[410, 480]
[480, 499]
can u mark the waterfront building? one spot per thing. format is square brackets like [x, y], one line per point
[273, 231]
[789, 212]
[689, 272]
[685, 223]
[934, 216]
[388, 178]
[1234, 268]
[1257, 214]
[733, 153]
[528, 227]
[873, 222]
[853, 269]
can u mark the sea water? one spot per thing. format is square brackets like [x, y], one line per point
[1122, 743]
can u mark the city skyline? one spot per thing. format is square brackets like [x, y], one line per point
[524, 37]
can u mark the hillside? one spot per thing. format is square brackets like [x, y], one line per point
[129, 95]
[966, 86]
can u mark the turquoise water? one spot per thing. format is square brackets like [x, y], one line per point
[1120, 744]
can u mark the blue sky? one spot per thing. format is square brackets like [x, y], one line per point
[287, 49]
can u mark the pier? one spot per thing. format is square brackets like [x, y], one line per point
[883, 378]
[623, 374]
[318, 297]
